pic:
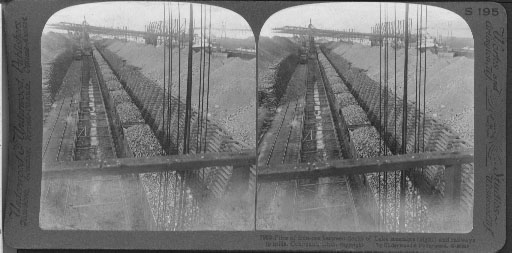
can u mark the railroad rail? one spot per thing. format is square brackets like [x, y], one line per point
[59, 130]
[303, 131]
[93, 137]
[319, 138]
[80, 152]
[437, 136]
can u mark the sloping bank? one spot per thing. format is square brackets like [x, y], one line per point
[450, 81]
[277, 60]
[272, 86]
[438, 137]
[232, 83]
[56, 57]
[147, 97]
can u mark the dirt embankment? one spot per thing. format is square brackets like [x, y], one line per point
[277, 61]
[56, 56]
[450, 82]
[230, 43]
[232, 100]
[52, 45]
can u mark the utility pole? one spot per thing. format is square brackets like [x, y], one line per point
[188, 105]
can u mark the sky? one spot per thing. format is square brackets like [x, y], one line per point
[136, 15]
[361, 16]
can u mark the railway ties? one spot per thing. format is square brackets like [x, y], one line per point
[281, 143]
[93, 136]
[319, 139]
[374, 135]
[323, 203]
[306, 204]
[211, 189]
[59, 126]
[78, 128]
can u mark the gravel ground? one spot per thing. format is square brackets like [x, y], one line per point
[129, 113]
[366, 141]
[56, 56]
[450, 86]
[337, 84]
[120, 96]
[354, 115]
[142, 141]
[113, 85]
[367, 145]
[232, 99]
[346, 99]
[273, 81]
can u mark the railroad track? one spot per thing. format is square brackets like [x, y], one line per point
[283, 136]
[319, 137]
[78, 129]
[93, 135]
[329, 198]
[304, 131]
[203, 186]
[58, 130]
[362, 105]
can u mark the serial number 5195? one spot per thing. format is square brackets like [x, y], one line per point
[482, 11]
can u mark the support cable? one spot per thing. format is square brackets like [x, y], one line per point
[199, 99]
[380, 79]
[175, 187]
[169, 110]
[425, 82]
[386, 74]
[179, 79]
[167, 173]
[204, 74]
[380, 109]
[166, 191]
[208, 88]
[158, 213]
[417, 139]
[395, 114]
[163, 100]
[404, 123]
[189, 84]
[416, 75]
[386, 84]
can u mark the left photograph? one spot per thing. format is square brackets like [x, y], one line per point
[149, 118]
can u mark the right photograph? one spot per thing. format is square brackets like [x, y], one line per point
[365, 119]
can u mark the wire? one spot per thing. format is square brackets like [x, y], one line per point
[417, 139]
[386, 68]
[418, 40]
[380, 108]
[186, 139]
[204, 74]
[169, 135]
[425, 82]
[208, 89]
[199, 99]
[163, 100]
[179, 78]
[404, 122]
[380, 78]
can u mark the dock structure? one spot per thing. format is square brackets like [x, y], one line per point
[342, 152]
[114, 154]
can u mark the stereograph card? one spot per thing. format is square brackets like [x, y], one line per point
[277, 125]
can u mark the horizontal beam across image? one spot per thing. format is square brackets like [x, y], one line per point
[244, 158]
[363, 165]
